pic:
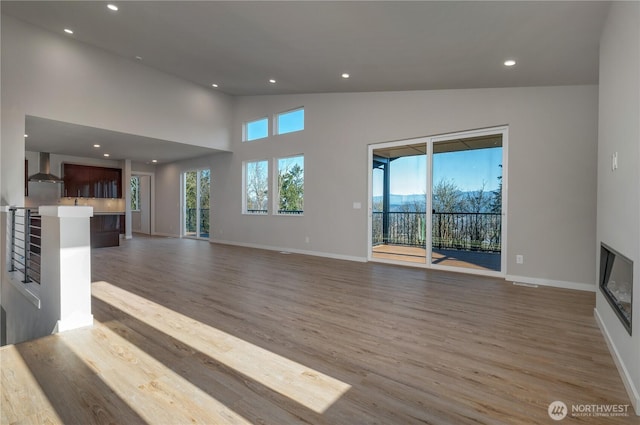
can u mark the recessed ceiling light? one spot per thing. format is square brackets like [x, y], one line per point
[112, 7]
[96, 145]
[68, 31]
[26, 135]
[345, 75]
[154, 160]
[509, 62]
[272, 81]
[139, 58]
[214, 85]
[106, 155]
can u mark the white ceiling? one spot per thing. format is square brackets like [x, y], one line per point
[307, 45]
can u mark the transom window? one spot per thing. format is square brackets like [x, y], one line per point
[290, 121]
[258, 129]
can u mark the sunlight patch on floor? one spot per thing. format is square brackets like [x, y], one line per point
[306, 386]
[17, 406]
[153, 391]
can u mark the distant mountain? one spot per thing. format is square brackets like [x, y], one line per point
[417, 202]
[413, 203]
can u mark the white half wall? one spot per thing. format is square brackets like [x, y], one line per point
[619, 190]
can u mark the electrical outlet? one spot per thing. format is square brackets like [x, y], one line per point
[519, 259]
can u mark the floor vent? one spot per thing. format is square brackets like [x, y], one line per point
[527, 285]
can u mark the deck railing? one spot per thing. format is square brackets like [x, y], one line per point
[26, 246]
[468, 231]
[191, 220]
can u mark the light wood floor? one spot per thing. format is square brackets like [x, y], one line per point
[191, 332]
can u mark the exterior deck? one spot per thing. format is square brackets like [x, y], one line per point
[445, 257]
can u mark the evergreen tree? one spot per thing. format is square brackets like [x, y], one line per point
[291, 185]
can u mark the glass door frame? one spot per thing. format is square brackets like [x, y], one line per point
[429, 141]
[183, 212]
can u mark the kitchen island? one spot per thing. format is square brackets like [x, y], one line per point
[106, 228]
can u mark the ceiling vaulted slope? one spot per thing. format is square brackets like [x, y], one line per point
[306, 46]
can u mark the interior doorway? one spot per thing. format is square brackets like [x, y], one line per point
[439, 202]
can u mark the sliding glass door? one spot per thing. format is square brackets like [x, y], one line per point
[439, 201]
[466, 202]
[399, 202]
[196, 201]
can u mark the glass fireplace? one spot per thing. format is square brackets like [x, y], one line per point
[616, 283]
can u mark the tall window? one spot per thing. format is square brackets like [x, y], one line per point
[257, 129]
[290, 121]
[290, 185]
[135, 193]
[256, 187]
[196, 203]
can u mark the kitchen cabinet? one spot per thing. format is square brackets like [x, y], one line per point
[88, 181]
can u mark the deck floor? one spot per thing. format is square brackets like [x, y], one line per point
[192, 332]
[445, 257]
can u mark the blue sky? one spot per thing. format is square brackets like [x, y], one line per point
[467, 169]
[288, 122]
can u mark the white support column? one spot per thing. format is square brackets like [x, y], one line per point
[66, 266]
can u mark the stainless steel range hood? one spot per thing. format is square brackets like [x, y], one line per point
[45, 176]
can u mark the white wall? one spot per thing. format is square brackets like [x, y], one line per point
[167, 199]
[52, 76]
[619, 191]
[551, 182]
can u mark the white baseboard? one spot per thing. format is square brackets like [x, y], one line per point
[293, 251]
[555, 283]
[168, 235]
[74, 321]
[632, 391]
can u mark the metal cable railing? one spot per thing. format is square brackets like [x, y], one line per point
[466, 231]
[26, 246]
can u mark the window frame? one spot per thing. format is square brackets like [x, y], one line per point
[276, 121]
[276, 184]
[245, 197]
[137, 197]
[245, 129]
